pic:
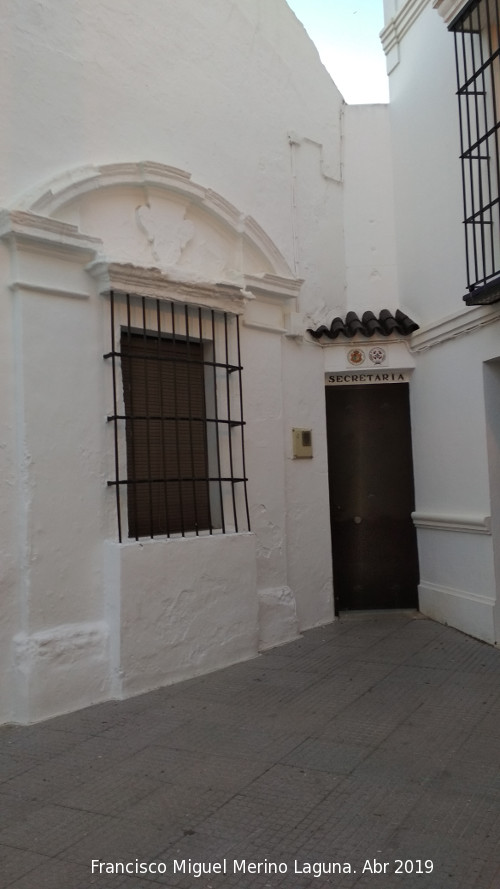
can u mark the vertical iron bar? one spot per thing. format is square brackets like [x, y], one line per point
[217, 424]
[190, 415]
[462, 149]
[469, 210]
[496, 136]
[230, 434]
[115, 414]
[470, 141]
[162, 417]
[242, 422]
[176, 412]
[204, 408]
[131, 419]
[148, 420]
[479, 80]
[487, 97]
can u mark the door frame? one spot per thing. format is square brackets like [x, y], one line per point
[351, 381]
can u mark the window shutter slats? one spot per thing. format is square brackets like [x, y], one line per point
[164, 395]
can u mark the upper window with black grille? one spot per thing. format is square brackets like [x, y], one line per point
[477, 47]
[179, 455]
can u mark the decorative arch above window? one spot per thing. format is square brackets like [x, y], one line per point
[179, 267]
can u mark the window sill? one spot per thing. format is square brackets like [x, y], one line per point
[485, 295]
[217, 533]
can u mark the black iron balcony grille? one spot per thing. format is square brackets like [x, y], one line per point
[477, 51]
[177, 417]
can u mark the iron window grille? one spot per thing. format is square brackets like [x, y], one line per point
[477, 52]
[177, 418]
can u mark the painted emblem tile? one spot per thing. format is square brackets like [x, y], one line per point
[356, 356]
[377, 355]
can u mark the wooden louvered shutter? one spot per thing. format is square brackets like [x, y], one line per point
[167, 461]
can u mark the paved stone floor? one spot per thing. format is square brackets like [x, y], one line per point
[369, 742]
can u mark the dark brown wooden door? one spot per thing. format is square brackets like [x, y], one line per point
[375, 562]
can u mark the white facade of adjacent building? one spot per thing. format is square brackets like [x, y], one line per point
[454, 390]
[185, 181]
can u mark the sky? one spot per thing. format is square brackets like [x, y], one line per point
[346, 34]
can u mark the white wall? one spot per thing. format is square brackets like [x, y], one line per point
[370, 236]
[91, 90]
[427, 175]
[306, 485]
[454, 463]
[12, 492]
[91, 82]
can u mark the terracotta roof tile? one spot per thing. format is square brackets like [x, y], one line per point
[369, 325]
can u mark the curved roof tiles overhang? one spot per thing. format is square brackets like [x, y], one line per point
[368, 325]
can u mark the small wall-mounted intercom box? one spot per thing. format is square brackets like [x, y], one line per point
[302, 442]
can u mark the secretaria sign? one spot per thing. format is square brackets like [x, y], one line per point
[366, 377]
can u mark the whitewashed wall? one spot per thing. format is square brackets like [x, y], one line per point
[455, 425]
[232, 94]
[370, 243]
